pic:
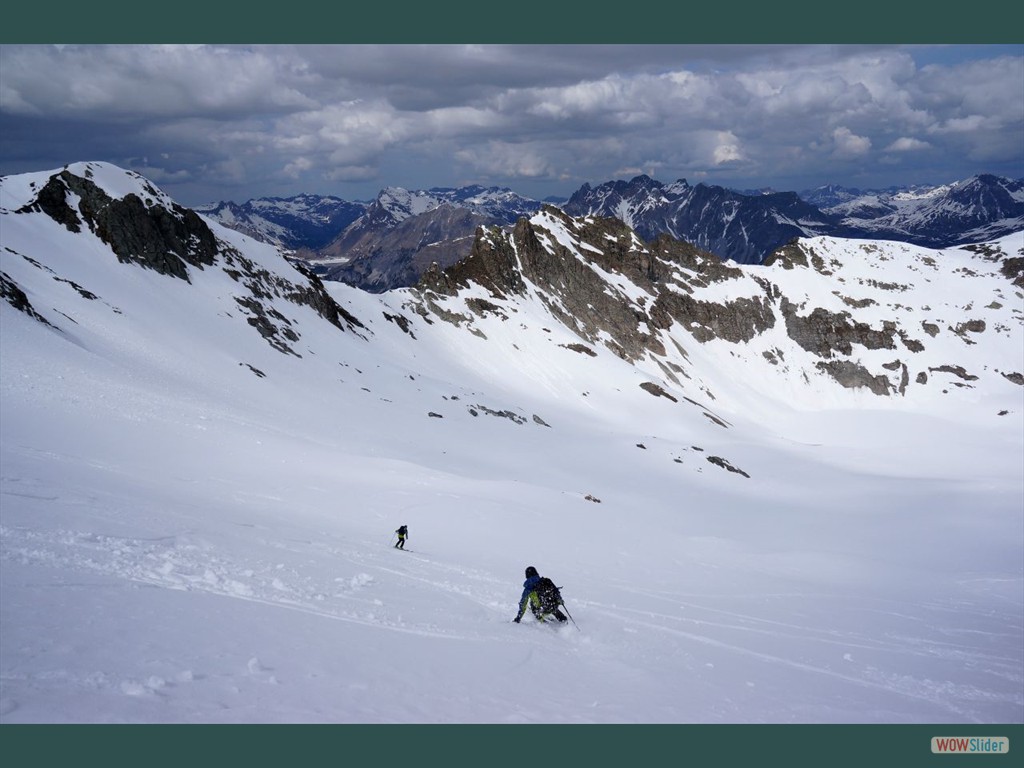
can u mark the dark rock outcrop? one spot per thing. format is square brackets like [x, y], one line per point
[146, 229]
[163, 238]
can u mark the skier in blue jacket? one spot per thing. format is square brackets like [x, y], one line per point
[542, 602]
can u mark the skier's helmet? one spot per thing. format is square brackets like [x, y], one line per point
[530, 571]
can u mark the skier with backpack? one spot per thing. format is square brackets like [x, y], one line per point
[402, 532]
[541, 595]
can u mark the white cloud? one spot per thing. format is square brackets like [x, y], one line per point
[297, 167]
[965, 124]
[907, 144]
[848, 145]
[728, 149]
[99, 82]
[569, 111]
[502, 158]
[348, 173]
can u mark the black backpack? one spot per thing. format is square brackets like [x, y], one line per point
[549, 595]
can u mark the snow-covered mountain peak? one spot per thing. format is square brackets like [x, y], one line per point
[926, 193]
[115, 182]
[791, 490]
[835, 320]
[402, 203]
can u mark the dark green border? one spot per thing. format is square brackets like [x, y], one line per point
[493, 746]
[526, 21]
[461, 21]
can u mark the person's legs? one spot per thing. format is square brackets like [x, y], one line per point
[535, 607]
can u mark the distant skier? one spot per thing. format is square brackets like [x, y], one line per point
[403, 533]
[541, 594]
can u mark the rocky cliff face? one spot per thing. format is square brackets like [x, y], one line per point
[143, 227]
[164, 237]
[396, 256]
[403, 232]
[864, 316]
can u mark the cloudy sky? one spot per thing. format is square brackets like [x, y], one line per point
[211, 122]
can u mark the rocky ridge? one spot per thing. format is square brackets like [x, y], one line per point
[142, 226]
[860, 315]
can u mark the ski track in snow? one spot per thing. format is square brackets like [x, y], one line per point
[904, 685]
[191, 563]
[184, 562]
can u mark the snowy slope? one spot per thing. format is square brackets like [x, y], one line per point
[196, 525]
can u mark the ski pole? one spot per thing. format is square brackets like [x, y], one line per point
[571, 618]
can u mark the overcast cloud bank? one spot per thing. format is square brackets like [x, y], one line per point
[238, 122]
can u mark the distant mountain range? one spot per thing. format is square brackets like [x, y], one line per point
[970, 211]
[303, 222]
[817, 314]
[391, 241]
[402, 232]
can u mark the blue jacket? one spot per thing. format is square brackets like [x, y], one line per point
[528, 586]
